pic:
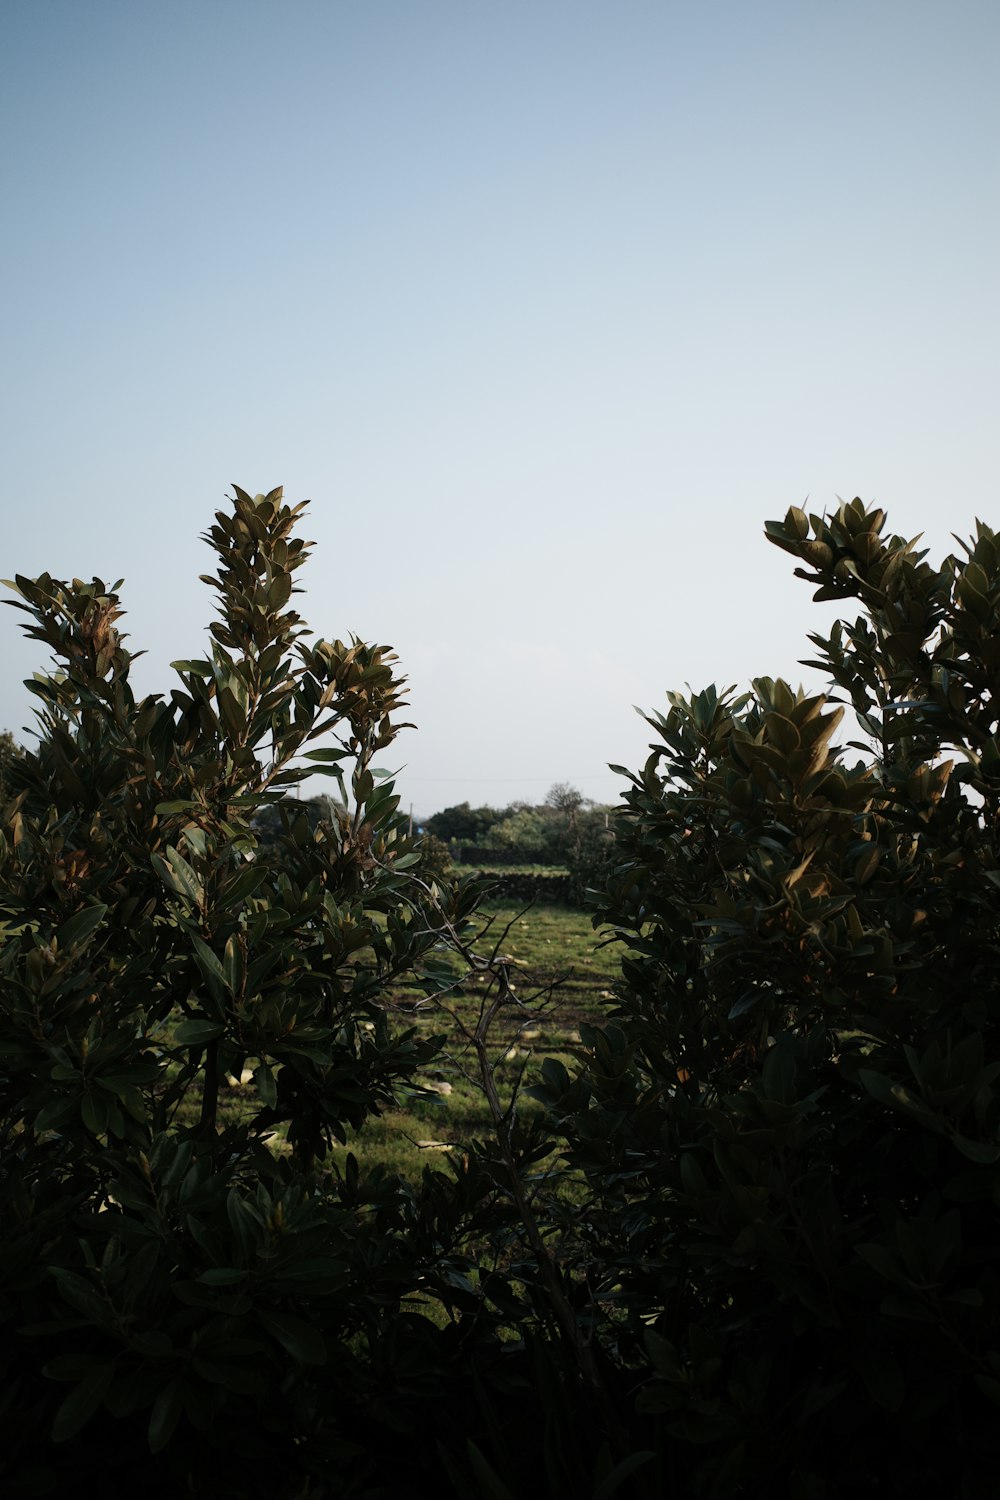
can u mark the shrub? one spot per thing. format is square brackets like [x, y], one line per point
[590, 857]
[525, 834]
[10, 754]
[774, 1269]
[791, 1127]
[435, 858]
[462, 824]
[190, 1300]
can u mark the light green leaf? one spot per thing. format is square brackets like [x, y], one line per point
[197, 1033]
[208, 962]
[178, 876]
[197, 668]
[78, 928]
[234, 966]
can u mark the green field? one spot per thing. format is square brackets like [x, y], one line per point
[561, 979]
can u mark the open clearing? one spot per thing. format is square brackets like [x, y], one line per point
[561, 978]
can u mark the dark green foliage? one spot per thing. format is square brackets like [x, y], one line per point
[462, 824]
[590, 854]
[274, 819]
[10, 757]
[767, 1262]
[566, 830]
[791, 1129]
[194, 976]
[527, 888]
[181, 1279]
[548, 834]
[435, 857]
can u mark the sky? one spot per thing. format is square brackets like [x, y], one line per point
[545, 305]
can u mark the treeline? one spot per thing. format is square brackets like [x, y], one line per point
[567, 830]
[567, 834]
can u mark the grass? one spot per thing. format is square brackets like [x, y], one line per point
[562, 980]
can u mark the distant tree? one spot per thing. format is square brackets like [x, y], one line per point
[10, 753]
[565, 802]
[435, 858]
[564, 798]
[463, 824]
[590, 855]
[551, 832]
[527, 831]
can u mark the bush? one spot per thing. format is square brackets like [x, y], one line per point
[435, 858]
[462, 824]
[10, 755]
[767, 1264]
[791, 1128]
[590, 857]
[191, 1301]
[525, 834]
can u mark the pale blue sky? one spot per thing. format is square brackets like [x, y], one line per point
[546, 306]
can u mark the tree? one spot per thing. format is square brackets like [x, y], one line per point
[564, 798]
[175, 1290]
[462, 824]
[589, 856]
[526, 832]
[776, 1269]
[10, 755]
[791, 1127]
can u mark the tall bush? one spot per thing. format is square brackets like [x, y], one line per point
[790, 1127]
[190, 1301]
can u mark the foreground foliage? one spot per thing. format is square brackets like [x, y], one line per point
[765, 1263]
[172, 1284]
[199, 1296]
[792, 1127]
